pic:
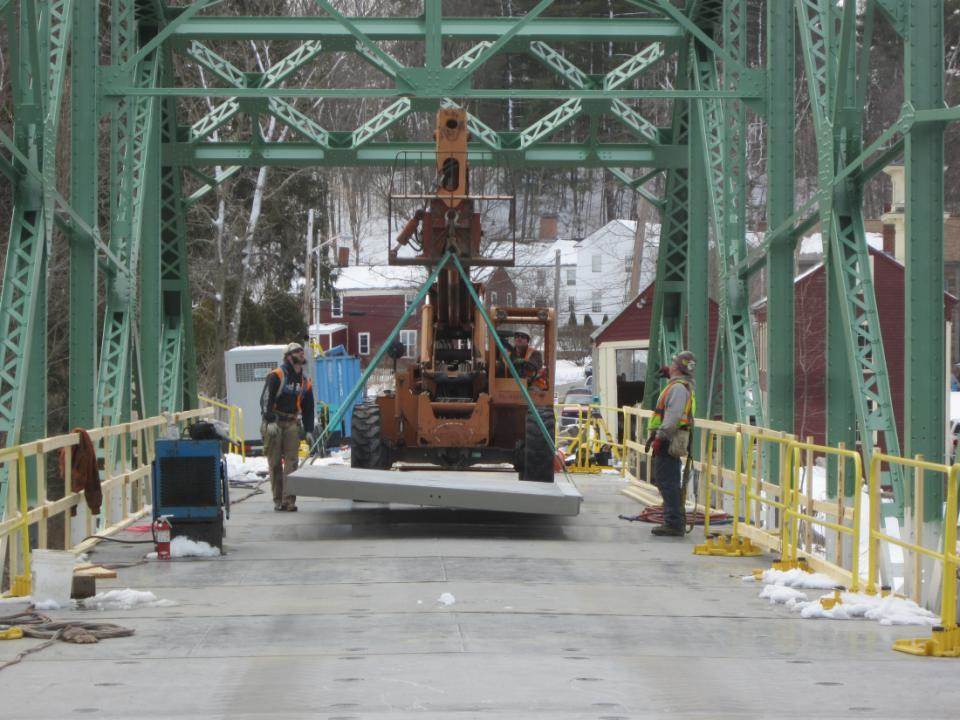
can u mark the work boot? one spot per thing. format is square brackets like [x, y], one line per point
[277, 507]
[290, 508]
[667, 531]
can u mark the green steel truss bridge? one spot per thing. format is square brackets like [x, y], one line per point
[139, 353]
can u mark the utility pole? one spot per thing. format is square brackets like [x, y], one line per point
[556, 285]
[639, 239]
[307, 268]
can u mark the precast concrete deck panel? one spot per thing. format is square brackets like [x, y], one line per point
[468, 490]
[333, 612]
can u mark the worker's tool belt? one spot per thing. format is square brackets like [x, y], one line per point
[679, 443]
[285, 417]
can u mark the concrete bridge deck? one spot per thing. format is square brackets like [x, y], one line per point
[333, 613]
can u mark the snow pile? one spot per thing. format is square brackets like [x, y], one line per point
[783, 588]
[797, 578]
[251, 469]
[889, 610]
[446, 599]
[338, 456]
[182, 546]
[48, 604]
[782, 595]
[124, 600]
[569, 372]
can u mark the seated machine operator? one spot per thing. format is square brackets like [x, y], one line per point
[527, 360]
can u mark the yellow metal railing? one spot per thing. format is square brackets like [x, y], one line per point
[945, 638]
[232, 415]
[802, 455]
[125, 485]
[591, 436]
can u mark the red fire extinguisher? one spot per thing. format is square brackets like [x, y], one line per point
[161, 537]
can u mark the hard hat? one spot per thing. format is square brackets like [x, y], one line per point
[521, 333]
[685, 362]
[292, 348]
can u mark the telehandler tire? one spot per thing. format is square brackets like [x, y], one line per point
[537, 455]
[368, 450]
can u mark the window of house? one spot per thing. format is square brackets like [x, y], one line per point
[493, 297]
[541, 277]
[572, 304]
[408, 299]
[596, 301]
[597, 263]
[336, 306]
[571, 276]
[509, 299]
[409, 340]
[628, 263]
[363, 343]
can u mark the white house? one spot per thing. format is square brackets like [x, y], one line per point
[535, 274]
[604, 263]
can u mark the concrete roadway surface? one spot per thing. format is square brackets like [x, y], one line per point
[333, 612]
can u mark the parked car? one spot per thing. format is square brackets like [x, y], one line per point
[575, 405]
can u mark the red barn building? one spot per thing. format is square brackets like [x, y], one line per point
[810, 365]
[620, 353]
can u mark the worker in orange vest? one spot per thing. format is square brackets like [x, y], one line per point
[528, 361]
[286, 406]
[669, 440]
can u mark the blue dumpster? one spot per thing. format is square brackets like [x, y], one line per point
[335, 375]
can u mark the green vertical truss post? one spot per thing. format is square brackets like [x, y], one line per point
[726, 171]
[780, 348]
[698, 248]
[83, 196]
[670, 287]
[841, 224]
[924, 332]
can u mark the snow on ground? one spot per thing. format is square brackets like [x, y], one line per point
[569, 372]
[783, 588]
[797, 578]
[182, 546]
[253, 468]
[338, 456]
[126, 599]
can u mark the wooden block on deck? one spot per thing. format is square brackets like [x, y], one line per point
[85, 579]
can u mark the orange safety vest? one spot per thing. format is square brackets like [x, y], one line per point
[305, 387]
[688, 411]
[539, 379]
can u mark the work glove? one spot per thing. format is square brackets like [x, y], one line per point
[273, 430]
[650, 441]
[656, 445]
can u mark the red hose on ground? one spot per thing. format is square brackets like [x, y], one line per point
[654, 514]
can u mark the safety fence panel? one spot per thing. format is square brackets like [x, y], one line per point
[582, 434]
[945, 638]
[126, 488]
[232, 417]
[826, 534]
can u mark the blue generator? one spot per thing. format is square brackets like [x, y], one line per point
[191, 488]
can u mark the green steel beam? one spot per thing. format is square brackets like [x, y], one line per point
[637, 185]
[725, 168]
[627, 71]
[780, 361]
[431, 92]
[131, 60]
[377, 29]
[384, 154]
[557, 62]
[381, 122]
[698, 251]
[84, 119]
[925, 384]
[841, 223]
[135, 121]
[670, 286]
[365, 46]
